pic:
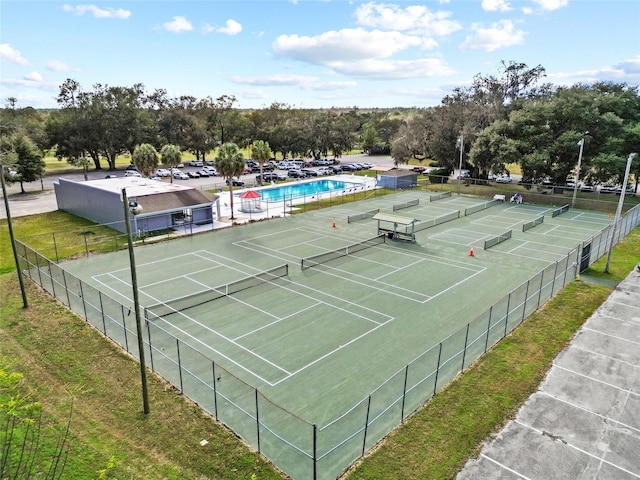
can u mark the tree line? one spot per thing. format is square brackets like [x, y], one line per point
[512, 118]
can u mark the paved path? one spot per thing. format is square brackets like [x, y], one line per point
[584, 421]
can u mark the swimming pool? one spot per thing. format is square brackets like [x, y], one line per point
[303, 189]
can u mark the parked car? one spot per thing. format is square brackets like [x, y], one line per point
[193, 175]
[504, 179]
[588, 187]
[203, 173]
[418, 169]
[349, 167]
[132, 167]
[212, 172]
[309, 172]
[293, 173]
[236, 182]
[278, 176]
[195, 163]
[111, 176]
[607, 188]
[163, 172]
[132, 173]
[180, 176]
[467, 174]
[325, 171]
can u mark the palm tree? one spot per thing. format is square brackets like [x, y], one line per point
[230, 163]
[261, 152]
[145, 158]
[171, 156]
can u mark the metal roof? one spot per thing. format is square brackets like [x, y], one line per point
[385, 217]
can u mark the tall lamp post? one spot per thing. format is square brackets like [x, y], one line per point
[460, 167]
[13, 238]
[132, 206]
[618, 211]
[575, 187]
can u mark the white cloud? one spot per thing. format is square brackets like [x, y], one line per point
[394, 69]
[97, 11]
[627, 71]
[231, 28]
[32, 83]
[496, 5]
[498, 35]
[551, 4]
[57, 66]
[414, 18]
[33, 77]
[305, 82]
[631, 66]
[10, 54]
[344, 45]
[178, 24]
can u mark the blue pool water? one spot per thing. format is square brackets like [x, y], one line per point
[302, 189]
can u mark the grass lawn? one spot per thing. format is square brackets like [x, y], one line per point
[64, 359]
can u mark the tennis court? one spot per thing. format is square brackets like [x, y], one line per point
[317, 310]
[364, 315]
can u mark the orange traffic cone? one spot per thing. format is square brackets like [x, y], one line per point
[334, 224]
[471, 252]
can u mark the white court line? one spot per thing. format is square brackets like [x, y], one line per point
[278, 320]
[599, 354]
[615, 387]
[574, 447]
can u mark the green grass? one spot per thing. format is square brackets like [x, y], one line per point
[62, 357]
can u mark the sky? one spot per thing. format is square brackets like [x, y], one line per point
[310, 53]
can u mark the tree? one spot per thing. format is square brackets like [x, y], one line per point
[20, 152]
[145, 158]
[170, 156]
[261, 152]
[230, 163]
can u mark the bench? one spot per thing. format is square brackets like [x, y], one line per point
[499, 197]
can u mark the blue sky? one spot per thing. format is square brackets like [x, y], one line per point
[310, 53]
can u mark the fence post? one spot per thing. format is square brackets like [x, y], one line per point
[55, 246]
[84, 303]
[215, 390]
[257, 419]
[540, 289]
[486, 342]
[506, 317]
[146, 321]
[553, 283]
[464, 352]
[179, 365]
[526, 297]
[315, 451]
[86, 245]
[404, 392]
[104, 323]
[435, 384]
[66, 288]
[124, 327]
[366, 426]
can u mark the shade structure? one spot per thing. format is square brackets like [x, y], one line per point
[250, 201]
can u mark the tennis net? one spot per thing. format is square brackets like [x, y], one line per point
[362, 216]
[186, 302]
[560, 211]
[342, 252]
[492, 242]
[529, 225]
[410, 203]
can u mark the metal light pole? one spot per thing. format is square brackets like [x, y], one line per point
[136, 301]
[13, 238]
[575, 187]
[460, 167]
[618, 211]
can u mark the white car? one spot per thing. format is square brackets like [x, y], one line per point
[132, 173]
[163, 172]
[503, 179]
[195, 163]
[180, 176]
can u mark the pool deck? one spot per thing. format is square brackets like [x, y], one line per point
[222, 218]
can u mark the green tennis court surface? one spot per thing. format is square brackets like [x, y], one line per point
[318, 340]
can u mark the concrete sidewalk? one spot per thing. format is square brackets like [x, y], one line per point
[584, 421]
